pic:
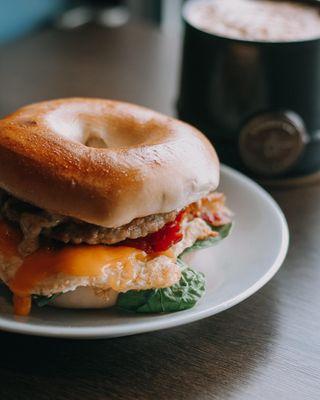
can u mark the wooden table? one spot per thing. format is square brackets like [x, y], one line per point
[265, 348]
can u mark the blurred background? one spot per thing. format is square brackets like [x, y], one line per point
[132, 50]
[19, 17]
[60, 48]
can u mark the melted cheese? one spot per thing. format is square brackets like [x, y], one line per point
[76, 261]
[84, 260]
[22, 305]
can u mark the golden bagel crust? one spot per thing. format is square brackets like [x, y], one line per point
[146, 163]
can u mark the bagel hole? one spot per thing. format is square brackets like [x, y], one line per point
[103, 129]
[96, 141]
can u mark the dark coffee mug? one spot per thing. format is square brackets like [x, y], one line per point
[258, 102]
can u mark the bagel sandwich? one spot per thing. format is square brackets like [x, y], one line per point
[100, 201]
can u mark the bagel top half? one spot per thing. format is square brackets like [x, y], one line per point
[104, 162]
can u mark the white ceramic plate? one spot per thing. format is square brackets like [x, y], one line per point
[235, 269]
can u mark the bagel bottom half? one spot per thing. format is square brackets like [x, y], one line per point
[86, 297]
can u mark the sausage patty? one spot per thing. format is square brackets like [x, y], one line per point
[35, 223]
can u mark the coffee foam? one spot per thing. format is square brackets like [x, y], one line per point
[263, 20]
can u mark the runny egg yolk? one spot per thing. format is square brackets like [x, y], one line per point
[79, 260]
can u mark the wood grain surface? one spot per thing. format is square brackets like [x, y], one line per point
[267, 348]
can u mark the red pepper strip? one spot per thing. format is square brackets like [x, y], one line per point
[161, 240]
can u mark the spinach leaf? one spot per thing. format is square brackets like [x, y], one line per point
[44, 300]
[223, 231]
[181, 296]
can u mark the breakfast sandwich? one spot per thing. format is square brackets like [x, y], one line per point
[100, 201]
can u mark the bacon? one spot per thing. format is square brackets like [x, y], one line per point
[211, 209]
[161, 240]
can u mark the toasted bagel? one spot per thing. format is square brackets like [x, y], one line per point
[104, 162]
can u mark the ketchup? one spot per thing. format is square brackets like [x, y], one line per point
[161, 240]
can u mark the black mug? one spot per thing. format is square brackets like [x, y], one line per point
[258, 102]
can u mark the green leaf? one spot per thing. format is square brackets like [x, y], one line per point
[223, 231]
[44, 300]
[181, 296]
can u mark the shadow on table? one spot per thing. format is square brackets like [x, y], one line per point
[211, 356]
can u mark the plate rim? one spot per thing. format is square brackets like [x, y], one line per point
[177, 319]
